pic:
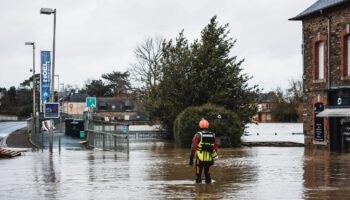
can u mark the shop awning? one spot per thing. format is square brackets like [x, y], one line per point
[335, 112]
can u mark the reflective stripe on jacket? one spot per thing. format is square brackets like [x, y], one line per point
[205, 146]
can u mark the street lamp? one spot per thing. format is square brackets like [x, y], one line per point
[49, 11]
[34, 85]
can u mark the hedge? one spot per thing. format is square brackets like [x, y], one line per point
[223, 122]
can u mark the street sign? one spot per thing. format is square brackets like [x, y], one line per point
[91, 102]
[52, 110]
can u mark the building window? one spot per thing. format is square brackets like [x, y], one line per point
[320, 61]
[319, 58]
[267, 107]
[268, 117]
[348, 55]
[345, 53]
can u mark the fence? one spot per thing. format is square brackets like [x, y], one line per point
[107, 135]
[146, 135]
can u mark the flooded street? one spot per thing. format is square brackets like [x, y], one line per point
[158, 170]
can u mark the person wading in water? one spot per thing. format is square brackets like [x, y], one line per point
[205, 148]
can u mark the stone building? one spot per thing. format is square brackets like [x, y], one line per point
[326, 73]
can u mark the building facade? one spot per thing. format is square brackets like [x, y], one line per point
[264, 108]
[326, 73]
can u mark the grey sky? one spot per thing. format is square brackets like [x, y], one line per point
[99, 36]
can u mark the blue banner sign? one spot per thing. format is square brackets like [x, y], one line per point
[45, 75]
[51, 110]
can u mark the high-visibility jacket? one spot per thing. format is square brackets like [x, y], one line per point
[205, 147]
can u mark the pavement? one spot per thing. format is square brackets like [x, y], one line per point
[8, 127]
[20, 139]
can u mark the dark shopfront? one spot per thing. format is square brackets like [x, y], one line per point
[338, 112]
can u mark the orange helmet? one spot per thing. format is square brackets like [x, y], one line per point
[203, 123]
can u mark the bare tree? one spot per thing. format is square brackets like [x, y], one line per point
[147, 68]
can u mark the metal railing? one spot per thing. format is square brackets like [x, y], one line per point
[107, 135]
[108, 141]
[146, 135]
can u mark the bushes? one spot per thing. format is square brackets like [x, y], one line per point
[228, 128]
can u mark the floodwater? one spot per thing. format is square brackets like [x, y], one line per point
[159, 170]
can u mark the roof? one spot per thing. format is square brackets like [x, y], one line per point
[316, 7]
[265, 97]
[77, 97]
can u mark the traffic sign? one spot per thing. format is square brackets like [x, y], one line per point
[51, 110]
[91, 102]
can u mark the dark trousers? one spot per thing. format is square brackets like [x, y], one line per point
[200, 165]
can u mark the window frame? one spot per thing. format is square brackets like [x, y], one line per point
[315, 57]
[345, 53]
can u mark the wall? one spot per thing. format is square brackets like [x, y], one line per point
[315, 29]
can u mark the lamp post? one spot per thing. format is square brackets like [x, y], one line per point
[49, 11]
[34, 85]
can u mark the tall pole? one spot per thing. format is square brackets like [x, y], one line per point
[49, 11]
[53, 75]
[34, 86]
[53, 58]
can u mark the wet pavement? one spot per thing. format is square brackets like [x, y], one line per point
[8, 127]
[159, 170]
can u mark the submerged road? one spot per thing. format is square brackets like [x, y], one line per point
[160, 170]
[8, 127]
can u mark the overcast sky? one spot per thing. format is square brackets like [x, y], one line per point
[98, 36]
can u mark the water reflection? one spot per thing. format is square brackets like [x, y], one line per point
[326, 174]
[158, 170]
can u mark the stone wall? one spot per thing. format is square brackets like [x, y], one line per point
[315, 29]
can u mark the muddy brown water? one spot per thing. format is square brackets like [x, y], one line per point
[159, 170]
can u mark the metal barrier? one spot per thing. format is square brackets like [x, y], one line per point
[146, 135]
[107, 141]
[107, 135]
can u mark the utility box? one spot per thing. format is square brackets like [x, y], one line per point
[76, 127]
[68, 127]
[82, 134]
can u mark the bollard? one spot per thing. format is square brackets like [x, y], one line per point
[103, 142]
[115, 142]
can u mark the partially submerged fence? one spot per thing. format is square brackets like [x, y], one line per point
[146, 135]
[107, 135]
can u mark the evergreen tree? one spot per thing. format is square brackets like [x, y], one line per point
[118, 82]
[202, 72]
[97, 88]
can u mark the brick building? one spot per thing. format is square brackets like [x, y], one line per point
[326, 73]
[264, 108]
